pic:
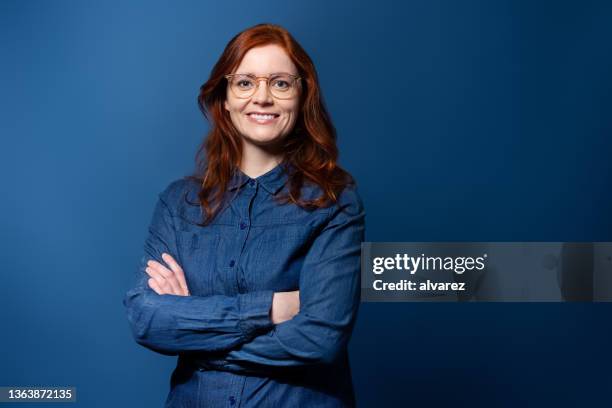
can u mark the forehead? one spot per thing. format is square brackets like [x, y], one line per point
[265, 60]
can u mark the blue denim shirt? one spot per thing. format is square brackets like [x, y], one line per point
[230, 354]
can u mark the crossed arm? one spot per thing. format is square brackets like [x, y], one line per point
[170, 280]
[165, 318]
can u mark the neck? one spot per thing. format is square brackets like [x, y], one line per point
[257, 161]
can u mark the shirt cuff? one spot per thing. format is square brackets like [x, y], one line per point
[255, 311]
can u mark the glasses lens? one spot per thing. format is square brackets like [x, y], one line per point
[282, 86]
[243, 85]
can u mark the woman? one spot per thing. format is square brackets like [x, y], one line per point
[251, 266]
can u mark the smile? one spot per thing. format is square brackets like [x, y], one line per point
[262, 119]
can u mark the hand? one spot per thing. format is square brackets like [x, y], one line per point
[285, 305]
[166, 281]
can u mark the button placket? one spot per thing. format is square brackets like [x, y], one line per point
[240, 280]
[243, 228]
[234, 397]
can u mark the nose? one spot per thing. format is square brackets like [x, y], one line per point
[262, 93]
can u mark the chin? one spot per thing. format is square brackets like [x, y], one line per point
[264, 140]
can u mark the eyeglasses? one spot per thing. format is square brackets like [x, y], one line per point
[281, 86]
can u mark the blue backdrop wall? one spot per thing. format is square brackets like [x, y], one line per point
[470, 121]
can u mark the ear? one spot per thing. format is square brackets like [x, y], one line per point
[225, 105]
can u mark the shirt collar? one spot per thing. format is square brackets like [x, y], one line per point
[271, 181]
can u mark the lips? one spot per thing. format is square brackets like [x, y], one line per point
[262, 118]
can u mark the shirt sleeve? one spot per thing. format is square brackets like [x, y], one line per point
[330, 285]
[169, 324]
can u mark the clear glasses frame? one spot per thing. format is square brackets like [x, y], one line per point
[295, 81]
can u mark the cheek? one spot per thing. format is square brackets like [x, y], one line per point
[234, 106]
[236, 113]
[291, 112]
[237, 119]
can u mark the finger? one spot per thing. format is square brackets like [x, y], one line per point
[171, 283]
[178, 272]
[153, 284]
[159, 279]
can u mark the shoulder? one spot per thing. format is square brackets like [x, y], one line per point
[347, 213]
[346, 197]
[348, 205]
[349, 202]
[350, 196]
[178, 192]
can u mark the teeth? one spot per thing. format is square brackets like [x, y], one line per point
[262, 117]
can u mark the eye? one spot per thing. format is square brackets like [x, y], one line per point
[244, 83]
[281, 83]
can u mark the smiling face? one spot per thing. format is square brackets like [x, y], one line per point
[256, 129]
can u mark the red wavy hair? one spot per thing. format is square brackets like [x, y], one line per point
[310, 148]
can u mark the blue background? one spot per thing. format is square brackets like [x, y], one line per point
[461, 120]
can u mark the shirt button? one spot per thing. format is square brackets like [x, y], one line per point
[251, 182]
[232, 400]
[232, 263]
[243, 225]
